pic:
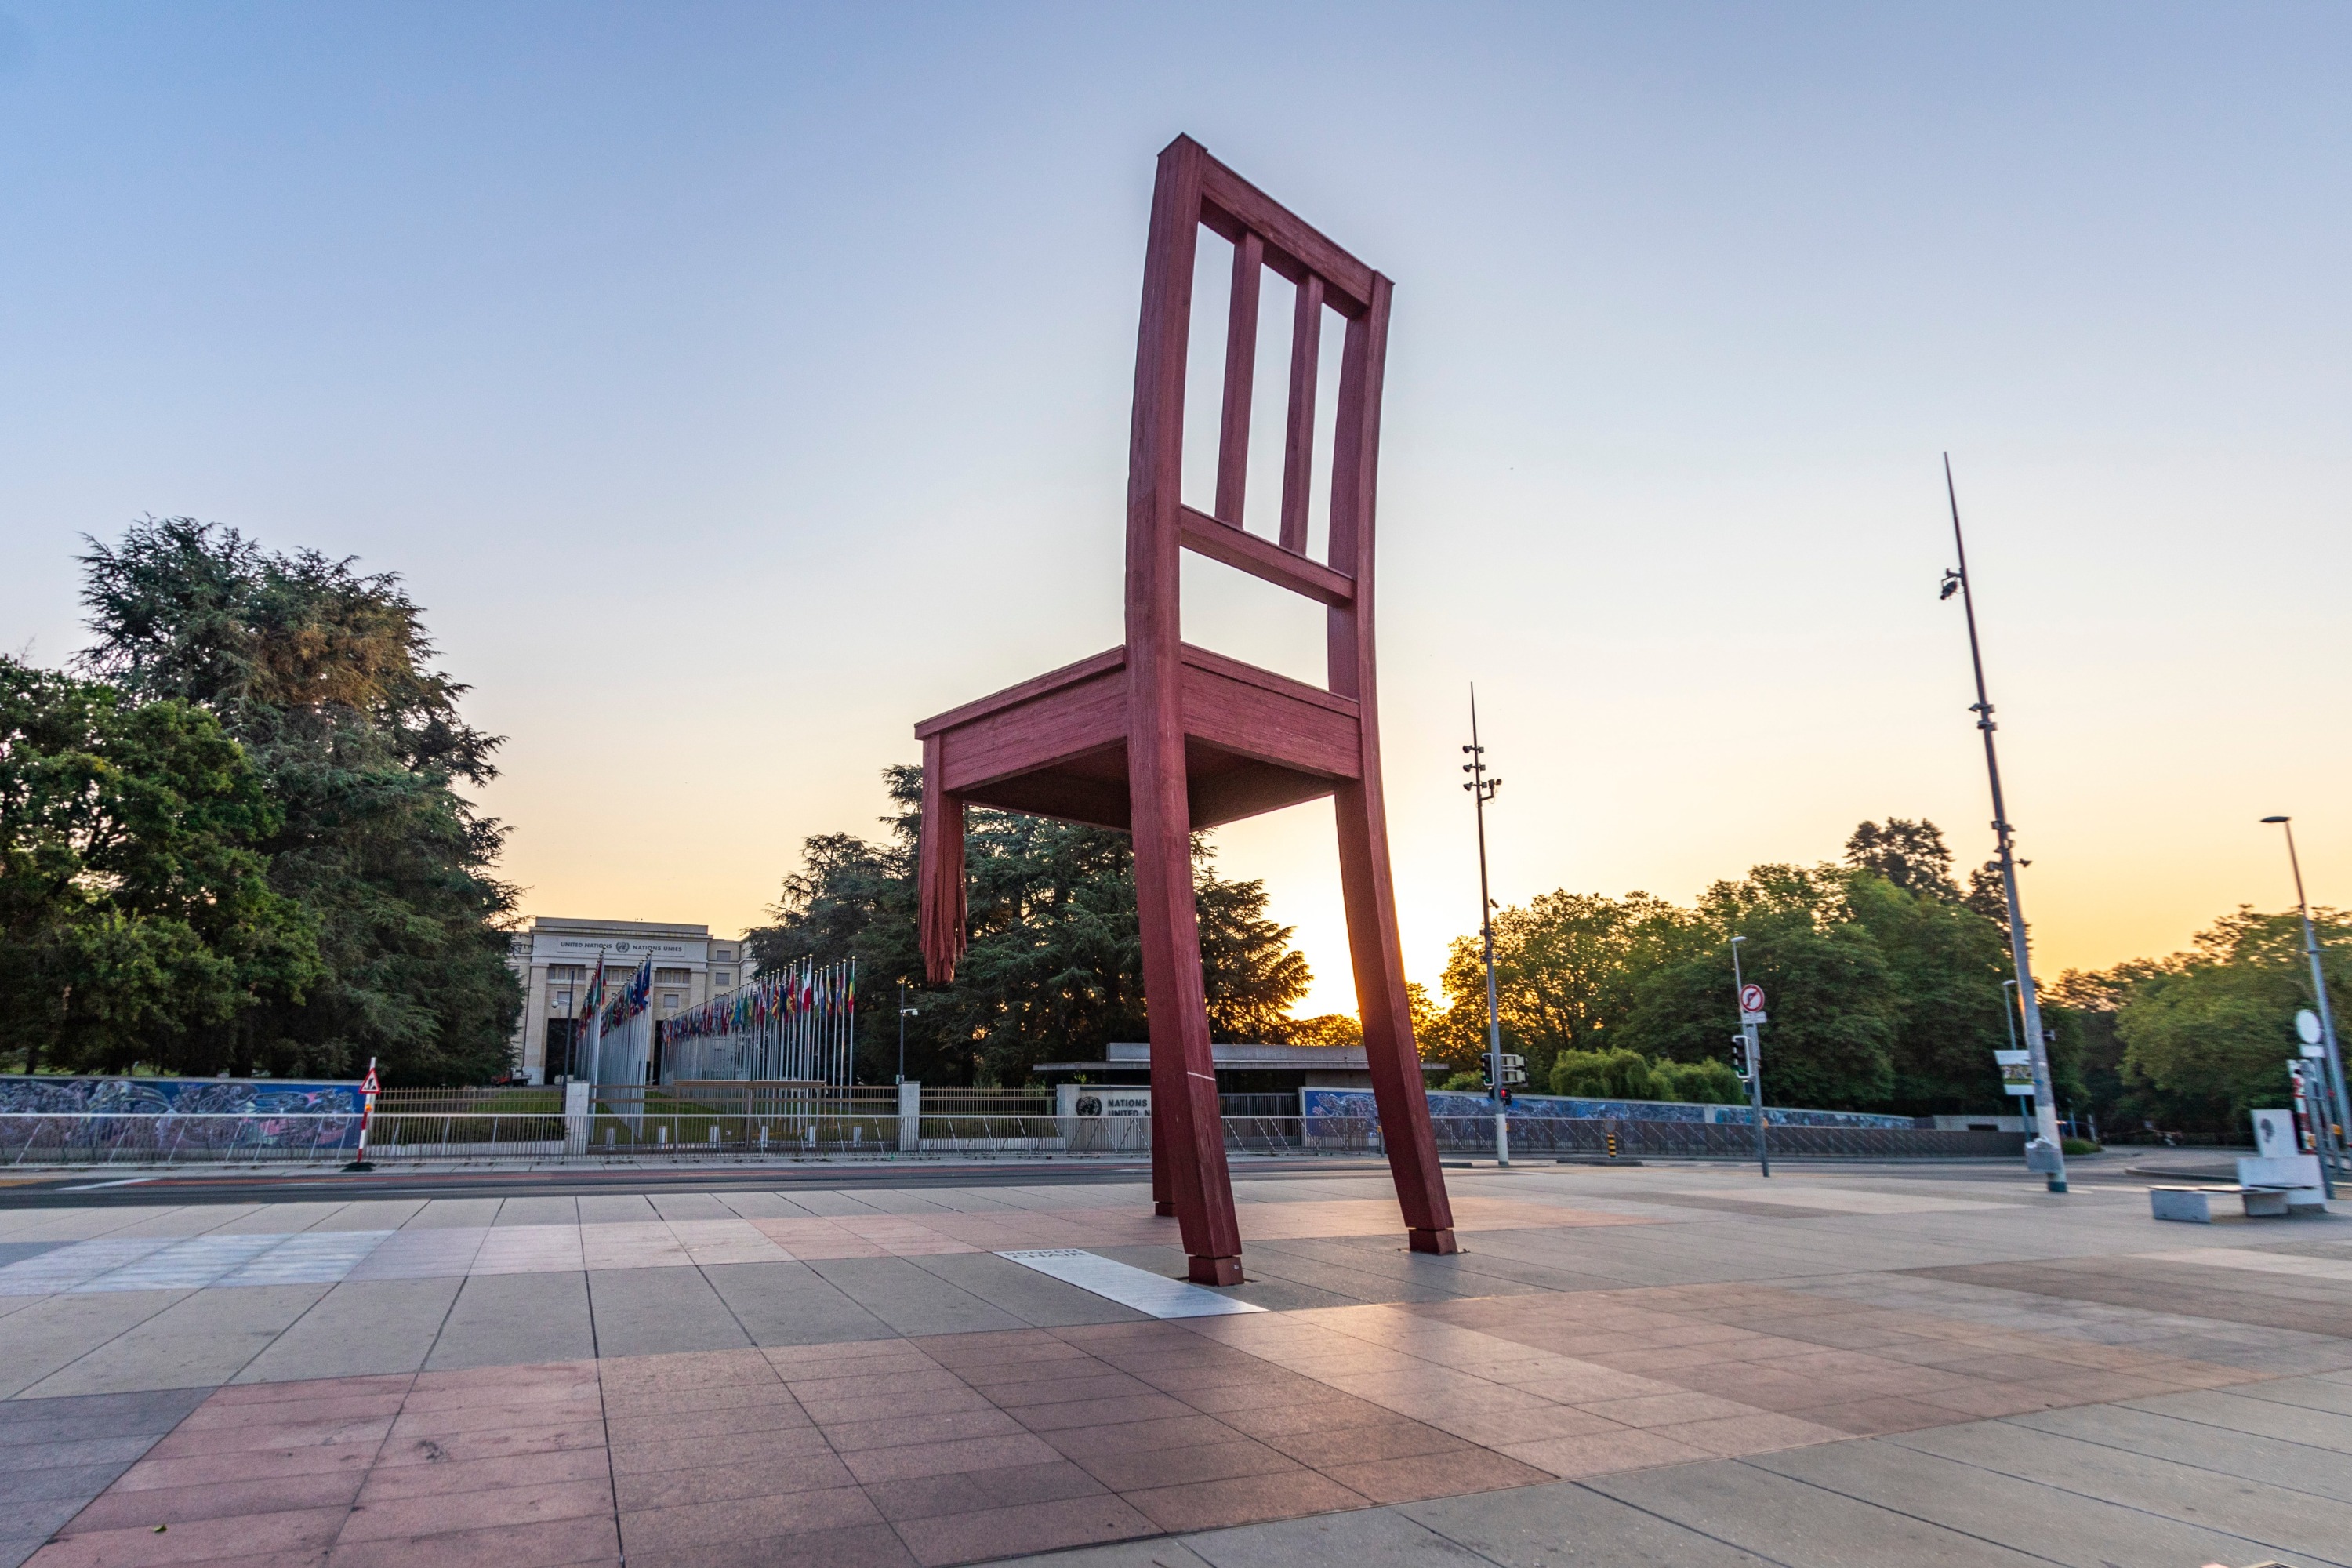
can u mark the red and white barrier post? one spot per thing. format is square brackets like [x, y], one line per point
[368, 1088]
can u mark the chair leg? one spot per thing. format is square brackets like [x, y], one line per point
[1185, 1123]
[1163, 1195]
[1378, 960]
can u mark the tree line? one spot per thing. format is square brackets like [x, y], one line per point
[232, 836]
[1884, 982]
[235, 836]
[1884, 975]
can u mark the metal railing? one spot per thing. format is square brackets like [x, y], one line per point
[659, 1126]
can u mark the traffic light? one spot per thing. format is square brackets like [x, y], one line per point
[1740, 1063]
[1503, 1095]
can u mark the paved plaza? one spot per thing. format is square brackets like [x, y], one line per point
[1668, 1365]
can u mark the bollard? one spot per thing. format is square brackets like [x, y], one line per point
[1612, 1142]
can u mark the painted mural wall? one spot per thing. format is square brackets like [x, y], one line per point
[1357, 1104]
[140, 1114]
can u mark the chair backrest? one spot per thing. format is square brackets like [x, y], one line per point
[1195, 190]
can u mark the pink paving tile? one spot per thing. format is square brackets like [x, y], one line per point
[495, 1445]
[735, 1477]
[857, 1546]
[1020, 1529]
[894, 1464]
[388, 1483]
[746, 1519]
[203, 1470]
[440, 1425]
[454, 1510]
[523, 1396]
[829, 1412]
[929, 1497]
[261, 1439]
[1213, 1505]
[1493, 1429]
[1388, 1439]
[1417, 1476]
[198, 1541]
[783, 1447]
[851, 1437]
[847, 1357]
[774, 1416]
[838, 1383]
[556, 1544]
[1227, 1460]
[76, 1555]
[1142, 1436]
[1662, 1409]
[122, 1508]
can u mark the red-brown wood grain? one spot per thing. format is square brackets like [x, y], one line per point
[1298, 438]
[1241, 376]
[1263, 559]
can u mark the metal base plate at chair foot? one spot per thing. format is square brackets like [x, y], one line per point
[1215, 1271]
[1440, 1243]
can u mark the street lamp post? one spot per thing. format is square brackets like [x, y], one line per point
[2343, 1118]
[2037, 1046]
[1482, 790]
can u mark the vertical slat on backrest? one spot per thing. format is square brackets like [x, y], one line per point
[1298, 445]
[1241, 376]
[1355, 465]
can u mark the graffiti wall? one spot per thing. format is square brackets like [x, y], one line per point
[158, 1114]
[1357, 1104]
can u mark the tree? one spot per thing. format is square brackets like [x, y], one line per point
[1565, 970]
[1832, 1040]
[325, 676]
[136, 912]
[1055, 969]
[1912, 855]
[1944, 963]
[2207, 1033]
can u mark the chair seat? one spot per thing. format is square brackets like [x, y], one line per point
[1056, 746]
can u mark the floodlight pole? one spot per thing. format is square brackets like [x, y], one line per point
[2343, 1118]
[1482, 790]
[2037, 1046]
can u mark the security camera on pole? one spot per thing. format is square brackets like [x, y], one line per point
[1747, 1054]
[2044, 1153]
[1502, 1071]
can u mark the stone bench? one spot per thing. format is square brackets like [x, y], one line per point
[2194, 1205]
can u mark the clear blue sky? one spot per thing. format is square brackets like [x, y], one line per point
[739, 384]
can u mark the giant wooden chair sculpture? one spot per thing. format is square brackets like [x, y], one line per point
[1160, 738]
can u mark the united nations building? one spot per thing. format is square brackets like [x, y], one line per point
[555, 958]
